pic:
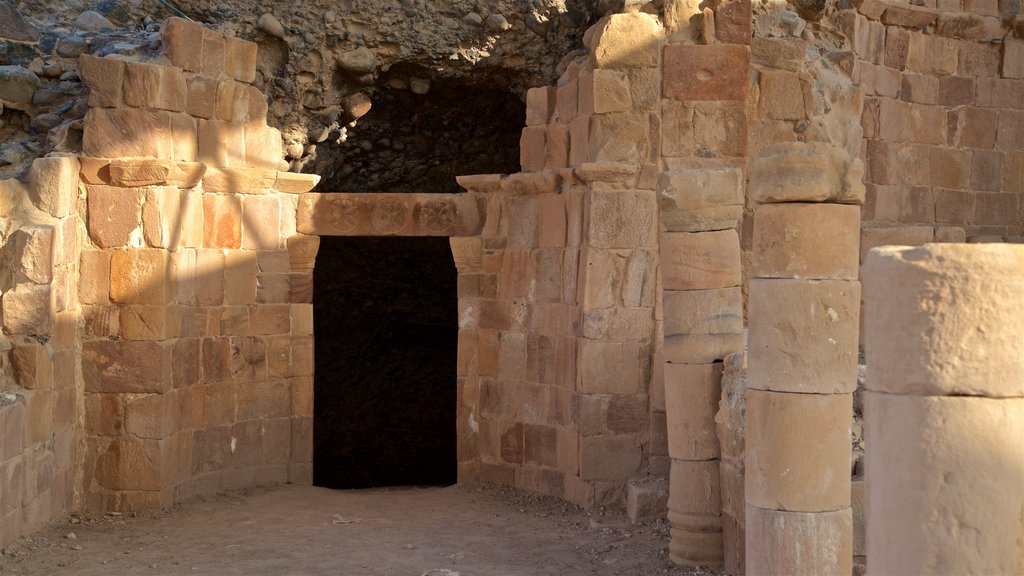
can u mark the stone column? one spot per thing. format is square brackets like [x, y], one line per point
[803, 312]
[944, 330]
[703, 322]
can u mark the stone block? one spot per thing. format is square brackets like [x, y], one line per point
[966, 286]
[700, 200]
[646, 499]
[622, 219]
[302, 251]
[263, 146]
[127, 132]
[557, 147]
[803, 335]
[213, 57]
[183, 43]
[692, 393]
[706, 72]
[53, 185]
[533, 148]
[154, 86]
[104, 77]
[733, 21]
[222, 144]
[806, 172]
[240, 274]
[152, 415]
[610, 457]
[705, 129]
[695, 548]
[240, 59]
[32, 253]
[612, 367]
[141, 276]
[798, 451]
[604, 90]
[260, 220]
[626, 41]
[290, 356]
[709, 312]
[898, 236]
[781, 95]
[28, 309]
[150, 322]
[700, 260]
[932, 476]
[136, 367]
[801, 543]
[201, 96]
[540, 105]
[294, 183]
[619, 137]
[162, 217]
[222, 221]
[114, 214]
[694, 496]
[807, 241]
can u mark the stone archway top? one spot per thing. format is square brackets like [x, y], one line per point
[391, 214]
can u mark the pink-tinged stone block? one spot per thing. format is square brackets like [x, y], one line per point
[222, 221]
[125, 366]
[706, 72]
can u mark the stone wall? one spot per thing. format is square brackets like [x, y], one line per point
[40, 425]
[196, 304]
[944, 107]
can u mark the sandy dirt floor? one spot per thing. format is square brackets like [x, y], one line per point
[465, 530]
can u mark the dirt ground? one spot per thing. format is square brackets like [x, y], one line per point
[464, 530]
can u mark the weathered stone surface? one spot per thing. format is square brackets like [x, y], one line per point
[973, 315]
[114, 133]
[125, 366]
[540, 105]
[53, 184]
[612, 367]
[390, 215]
[626, 41]
[701, 260]
[706, 72]
[806, 172]
[33, 253]
[931, 476]
[28, 309]
[609, 457]
[692, 393]
[798, 543]
[803, 335]
[618, 137]
[646, 499]
[104, 77]
[114, 213]
[140, 276]
[808, 241]
[700, 200]
[707, 129]
[240, 59]
[622, 219]
[294, 183]
[798, 451]
[604, 90]
[154, 86]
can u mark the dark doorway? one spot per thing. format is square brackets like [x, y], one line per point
[385, 313]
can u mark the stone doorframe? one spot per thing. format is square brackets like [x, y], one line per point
[460, 217]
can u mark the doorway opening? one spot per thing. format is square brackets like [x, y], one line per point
[385, 323]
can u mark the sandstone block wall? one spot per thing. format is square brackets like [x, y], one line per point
[943, 110]
[197, 351]
[40, 392]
